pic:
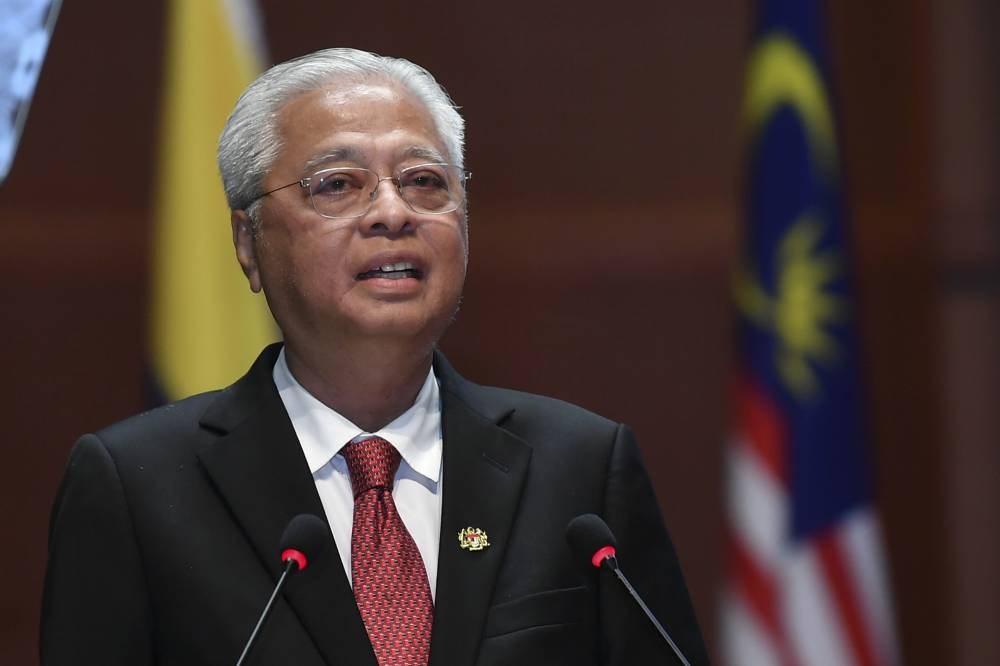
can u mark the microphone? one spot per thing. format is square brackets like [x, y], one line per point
[591, 538]
[305, 537]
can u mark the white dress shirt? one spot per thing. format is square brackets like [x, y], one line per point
[416, 434]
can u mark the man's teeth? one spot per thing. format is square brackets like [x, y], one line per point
[398, 270]
[400, 266]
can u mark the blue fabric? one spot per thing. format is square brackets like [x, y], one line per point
[787, 182]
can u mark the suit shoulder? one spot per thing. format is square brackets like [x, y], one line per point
[171, 421]
[531, 415]
[524, 401]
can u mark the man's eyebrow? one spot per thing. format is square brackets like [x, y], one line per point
[349, 154]
[424, 153]
[335, 155]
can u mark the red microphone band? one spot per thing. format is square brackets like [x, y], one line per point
[300, 558]
[602, 554]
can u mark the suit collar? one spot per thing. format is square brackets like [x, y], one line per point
[481, 400]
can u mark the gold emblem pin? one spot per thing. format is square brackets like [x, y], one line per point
[473, 538]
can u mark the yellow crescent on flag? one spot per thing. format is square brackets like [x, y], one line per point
[781, 73]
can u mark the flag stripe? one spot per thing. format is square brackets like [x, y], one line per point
[744, 641]
[758, 590]
[810, 615]
[862, 547]
[757, 506]
[759, 419]
[840, 584]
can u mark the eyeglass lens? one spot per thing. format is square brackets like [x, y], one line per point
[349, 191]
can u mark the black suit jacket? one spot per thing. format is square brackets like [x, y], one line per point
[163, 540]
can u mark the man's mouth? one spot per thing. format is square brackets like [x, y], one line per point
[397, 271]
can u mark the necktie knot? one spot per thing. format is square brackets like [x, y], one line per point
[372, 463]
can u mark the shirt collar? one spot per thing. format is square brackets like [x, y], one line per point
[322, 432]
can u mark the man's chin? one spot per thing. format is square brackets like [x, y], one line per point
[401, 326]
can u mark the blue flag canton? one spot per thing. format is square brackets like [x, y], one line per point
[795, 292]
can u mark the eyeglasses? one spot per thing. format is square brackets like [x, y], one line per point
[344, 192]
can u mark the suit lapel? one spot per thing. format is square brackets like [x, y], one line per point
[484, 471]
[258, 468]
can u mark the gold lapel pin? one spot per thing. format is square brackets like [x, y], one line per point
[473, 538]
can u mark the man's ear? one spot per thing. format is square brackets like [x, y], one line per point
[246, 251]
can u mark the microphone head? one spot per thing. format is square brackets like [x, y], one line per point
[591, 538]
[305, 539]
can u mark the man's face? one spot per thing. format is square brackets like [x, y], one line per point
[316, 272]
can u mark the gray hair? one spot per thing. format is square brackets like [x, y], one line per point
[250, 141]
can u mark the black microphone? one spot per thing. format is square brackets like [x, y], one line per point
[591, 538]
[305, 538]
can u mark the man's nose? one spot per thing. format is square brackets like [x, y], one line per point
[388, 213]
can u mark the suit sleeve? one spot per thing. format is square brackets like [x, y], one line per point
[94, 607]
[647, 557]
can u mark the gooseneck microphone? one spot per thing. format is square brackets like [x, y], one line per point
[591, 538]
[303, 541]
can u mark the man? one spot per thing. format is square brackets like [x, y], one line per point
[344, 173]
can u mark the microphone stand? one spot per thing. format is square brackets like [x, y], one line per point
[612, 562]
[290, 566]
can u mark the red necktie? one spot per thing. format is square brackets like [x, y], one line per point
[390, 582]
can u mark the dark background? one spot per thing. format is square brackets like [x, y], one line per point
[615, 297]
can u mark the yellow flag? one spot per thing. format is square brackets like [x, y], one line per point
[207, 326]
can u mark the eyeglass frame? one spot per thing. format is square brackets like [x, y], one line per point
[463, 177]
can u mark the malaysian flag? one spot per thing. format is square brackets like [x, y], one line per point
[806, 581]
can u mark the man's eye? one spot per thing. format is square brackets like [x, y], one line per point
[333, 185]
[426, 180]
